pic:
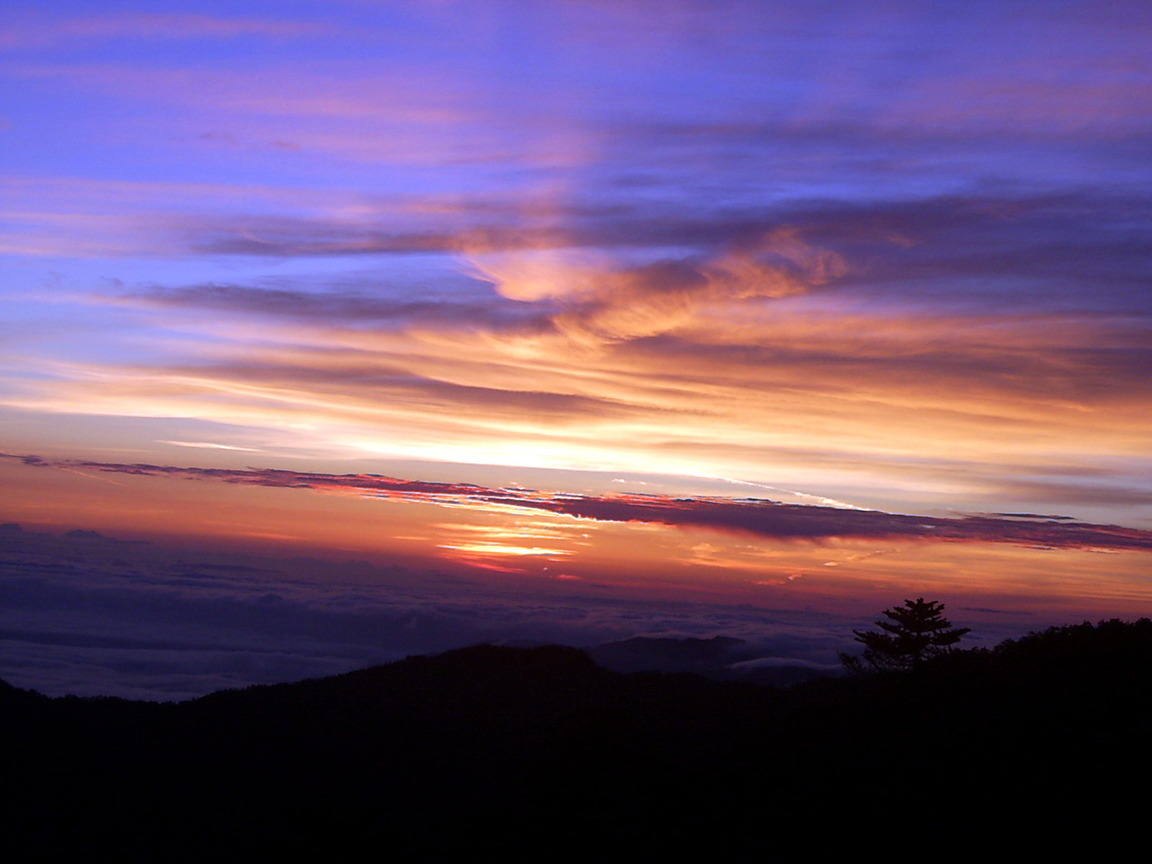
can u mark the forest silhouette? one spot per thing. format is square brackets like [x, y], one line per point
[520, 752]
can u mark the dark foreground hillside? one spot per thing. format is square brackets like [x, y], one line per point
[537, 753]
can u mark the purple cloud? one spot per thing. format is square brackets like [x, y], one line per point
[752, 516]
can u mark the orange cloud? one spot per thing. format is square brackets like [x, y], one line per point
[600, 301]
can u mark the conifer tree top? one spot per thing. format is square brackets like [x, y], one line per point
[912, 634]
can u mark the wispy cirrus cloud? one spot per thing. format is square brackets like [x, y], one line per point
[32, 32]
[334, 307]
[578, 358]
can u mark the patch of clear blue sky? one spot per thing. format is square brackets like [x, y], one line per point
[680, 109]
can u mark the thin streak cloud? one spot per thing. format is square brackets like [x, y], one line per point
[752, 516]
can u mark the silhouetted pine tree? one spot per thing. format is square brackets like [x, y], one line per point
[914, 632]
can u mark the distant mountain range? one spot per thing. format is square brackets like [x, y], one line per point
[723, 658]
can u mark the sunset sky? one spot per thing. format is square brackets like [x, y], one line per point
[794, 306]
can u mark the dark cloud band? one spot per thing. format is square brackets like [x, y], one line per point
[759, 517]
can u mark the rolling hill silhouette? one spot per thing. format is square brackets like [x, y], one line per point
[523, 752]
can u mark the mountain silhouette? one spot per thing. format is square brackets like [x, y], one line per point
[522, 752]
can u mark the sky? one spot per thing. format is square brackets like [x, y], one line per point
[767, 308]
